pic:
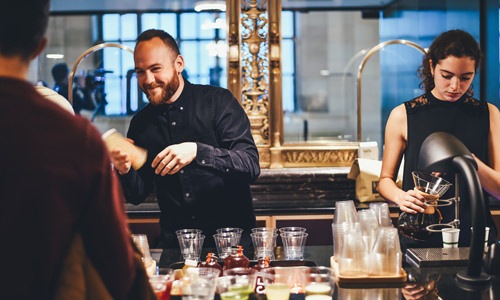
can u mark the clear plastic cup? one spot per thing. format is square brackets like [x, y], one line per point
[191, 245]
[450, 237]
[141, 241]
[188, 231]
[231, 287]
[264, 243]
[224, 242]
[292, 229]
[265, 229]
[276, 283]
[381, 210]
[319, 282]
[345, 212]
[200, 283]
[386, 257]
[353, 254]
[294, 244]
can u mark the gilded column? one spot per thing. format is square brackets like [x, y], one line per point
[252, 67]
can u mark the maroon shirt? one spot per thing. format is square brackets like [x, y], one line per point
[55, 180]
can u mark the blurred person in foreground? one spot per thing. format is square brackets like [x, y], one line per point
[57, 181]
[447, 71]
[201, 153]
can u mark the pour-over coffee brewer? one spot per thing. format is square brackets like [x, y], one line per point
[420, 226]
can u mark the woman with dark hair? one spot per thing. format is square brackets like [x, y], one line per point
[447, 72]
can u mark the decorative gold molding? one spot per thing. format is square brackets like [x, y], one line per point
[254, 74]
[304, 155]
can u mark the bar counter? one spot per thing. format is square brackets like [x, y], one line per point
[291, 191]
[422, 283]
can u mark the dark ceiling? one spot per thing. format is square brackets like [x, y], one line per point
[93, 6]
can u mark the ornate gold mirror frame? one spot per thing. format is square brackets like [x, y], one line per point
[254, 72]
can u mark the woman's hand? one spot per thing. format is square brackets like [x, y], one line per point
[411, 202]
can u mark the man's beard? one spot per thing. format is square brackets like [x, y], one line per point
[168, 91]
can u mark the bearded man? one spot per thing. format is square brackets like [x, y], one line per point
[201, 154]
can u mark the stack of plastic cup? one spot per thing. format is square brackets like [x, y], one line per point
[294, 241]
[225, 241]
[386, 257]
[264, 242]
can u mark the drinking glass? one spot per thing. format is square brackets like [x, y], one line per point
[224, 241]
[319, 282]
[231, 230]
[191, 245]
[292, 229]
[242, 282]
[141, 241]
[161, 282]
[276, 283]
[293, 244]
[264, 243]
[199, 283]
[232, 287]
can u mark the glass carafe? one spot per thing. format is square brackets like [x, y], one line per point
[414, 226]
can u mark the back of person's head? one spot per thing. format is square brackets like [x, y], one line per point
[60, 72]
[167, 39]
[457, 43]
[23, 26]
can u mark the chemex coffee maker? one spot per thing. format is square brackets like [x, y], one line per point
[419, 226]
[443, 152]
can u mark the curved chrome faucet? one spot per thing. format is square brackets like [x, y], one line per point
[85, 54]
[362, 65]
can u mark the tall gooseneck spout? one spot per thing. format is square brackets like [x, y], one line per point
[442, 152]
[84, 55]
[361, 66]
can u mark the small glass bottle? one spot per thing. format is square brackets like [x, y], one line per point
[236, 260]
[211, 262]
[262, 263]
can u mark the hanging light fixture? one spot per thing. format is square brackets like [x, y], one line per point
[210, 5]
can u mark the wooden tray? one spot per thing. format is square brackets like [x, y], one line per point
[366, 279]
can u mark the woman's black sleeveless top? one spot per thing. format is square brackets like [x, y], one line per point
[468, 120]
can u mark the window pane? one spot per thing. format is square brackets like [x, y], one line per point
[222, 31]
[149, 21]
[288, 93]
[168, 22]
[206, 60]
[287, 57]
[110, 27]
[127, 58]
[207, 25]
[129, 27]
[190, 52]
[189, 26]
[287, 24]
[113, 95]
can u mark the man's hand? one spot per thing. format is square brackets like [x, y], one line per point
[173, 158]
[121, 161]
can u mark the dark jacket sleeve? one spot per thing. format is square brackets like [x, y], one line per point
[237, 154]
